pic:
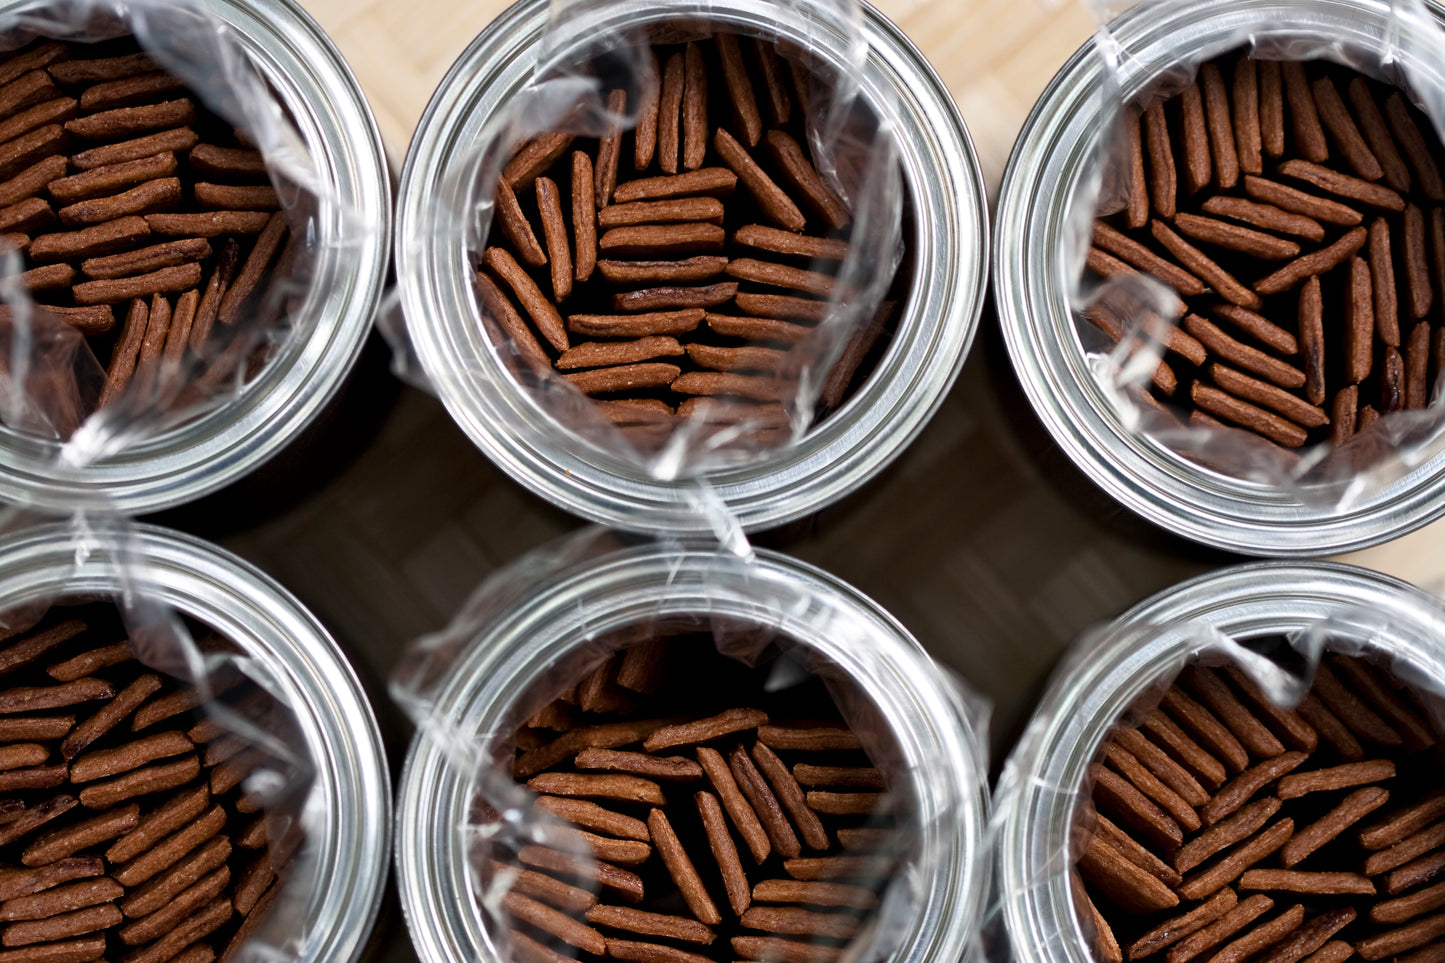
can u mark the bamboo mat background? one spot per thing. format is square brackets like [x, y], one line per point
[994, 55]
[981, 538]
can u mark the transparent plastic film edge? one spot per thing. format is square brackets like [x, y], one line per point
[57, 364]
[284, 771]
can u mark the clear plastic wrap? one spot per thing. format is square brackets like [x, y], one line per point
[1263, 630]
[1134, 317]
[594, 76]
[91, 394]
[255, 774]
[588, 617]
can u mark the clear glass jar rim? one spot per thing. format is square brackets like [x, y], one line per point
[1037, 794]
[923, 710]
[1039, 183]
[350, 799]
[183, 464]
[942, 173]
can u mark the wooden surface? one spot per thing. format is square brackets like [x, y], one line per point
[982, 538]
[994, 55]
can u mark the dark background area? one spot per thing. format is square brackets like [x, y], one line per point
[982, 538]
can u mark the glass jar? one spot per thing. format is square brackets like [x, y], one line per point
[948, 244]
[1038, 796]
[347, 812]
[1053, 159]
[931, 910]
[352, 237]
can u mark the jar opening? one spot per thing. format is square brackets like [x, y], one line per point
[700, 768]
[721, 260]
[1219, 817]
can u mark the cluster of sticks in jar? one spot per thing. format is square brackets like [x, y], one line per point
[729, 837]
[681, 260]
[125, 195]
[125, 829]
[1295, 210]
[1229, 829]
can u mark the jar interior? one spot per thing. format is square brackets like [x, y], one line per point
[741, 359]
[1219, 822]
[153, 789]
[792, 742]
[1288, 383]
[174, 371]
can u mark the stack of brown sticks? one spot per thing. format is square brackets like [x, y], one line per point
[688, 839]
[684, 259]
[1295, 211]
[127, 828]
[122, 192]
[1229, 829]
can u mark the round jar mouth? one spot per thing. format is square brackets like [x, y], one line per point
[1053, 158]
[944, 779]
[353, 237]
[1037, 808]
[347, 811]
[932, 337]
